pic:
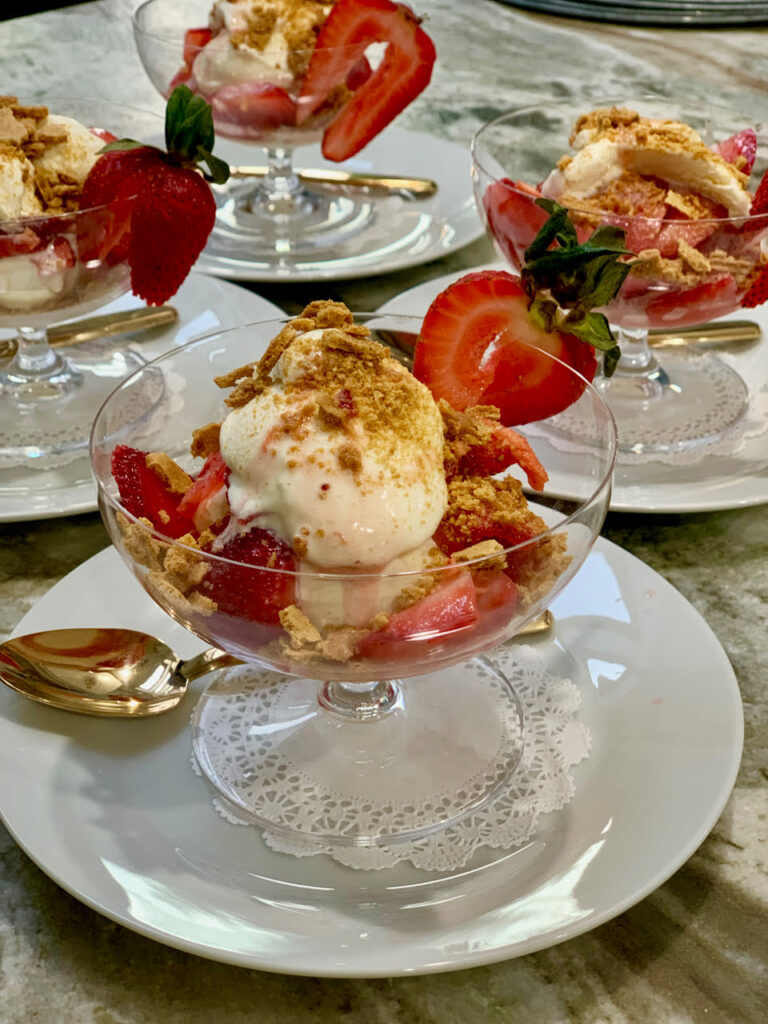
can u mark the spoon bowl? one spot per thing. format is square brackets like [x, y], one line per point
[109, 672]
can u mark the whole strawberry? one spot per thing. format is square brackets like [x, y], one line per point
[168, 208]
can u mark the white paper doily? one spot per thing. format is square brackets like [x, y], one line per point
[554, 740]
[724, 440]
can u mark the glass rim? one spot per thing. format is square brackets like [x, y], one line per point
[590, 500]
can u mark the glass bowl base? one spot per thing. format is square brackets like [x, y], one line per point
[280, 760]
[692, 402]
[52, 415]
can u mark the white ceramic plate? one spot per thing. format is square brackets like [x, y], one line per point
[112, 811]
[715, 482]
[408, 234]
[204, 304]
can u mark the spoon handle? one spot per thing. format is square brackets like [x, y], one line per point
[208, 661]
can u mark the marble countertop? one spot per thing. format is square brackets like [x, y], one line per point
[697, 948]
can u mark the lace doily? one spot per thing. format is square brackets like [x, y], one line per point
[553, 741]
[722, 429]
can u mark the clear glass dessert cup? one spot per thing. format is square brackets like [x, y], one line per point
[54, 267]
[684, 401]
[272, 219]
[340, 713]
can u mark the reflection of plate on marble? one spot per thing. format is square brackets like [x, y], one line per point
[715, 482]
[203, 304]
[113, 812]
[403, 233]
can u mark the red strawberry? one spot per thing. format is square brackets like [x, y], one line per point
[360, 73]
[450, 607]
[404, 71]
[760, 199]
[20, 243]
[258, 106]
[172, 210]
[478, 346]
[194, 40]
[504, 449]
[206, 500]
[248, 591]
[514, 219]
[740, 149]
[144, 494]
[679, 307]
[494, 590]
[113, 183]
[757, 293]
[104, 134]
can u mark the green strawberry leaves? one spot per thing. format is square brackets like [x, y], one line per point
[564, 284]
[189, 135]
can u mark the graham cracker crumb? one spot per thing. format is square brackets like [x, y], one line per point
[172, 475]
[205, 440]
[300, 630]
[490, 551]
[140, 542]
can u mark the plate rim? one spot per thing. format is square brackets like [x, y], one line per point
[731, 757]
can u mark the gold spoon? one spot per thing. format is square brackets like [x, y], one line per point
[107, 325]
[116, 673]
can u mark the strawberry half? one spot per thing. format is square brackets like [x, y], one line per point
[482, 339]
[740, 149]
[145, 495]
[168, 207]
[404, 71]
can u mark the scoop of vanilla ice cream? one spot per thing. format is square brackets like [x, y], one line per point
[219, 64]
[669, 150]
[17, 187]
[77, 155]
[341, 454]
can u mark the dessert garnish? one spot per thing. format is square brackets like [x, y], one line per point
[169, 210]
[404, 72]
[335, 463]
[481, 338]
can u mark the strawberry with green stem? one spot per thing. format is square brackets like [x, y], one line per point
[167, 207]
[482, 339]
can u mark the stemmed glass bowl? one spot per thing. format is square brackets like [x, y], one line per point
[272, 219]
[685, 401]
[54, 267]
[338, 712]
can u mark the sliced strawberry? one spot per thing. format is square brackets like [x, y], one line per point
[740, 149]
[248, 591]
[194, 40]
[19, 243]
[205, 503]
[514, 219]
[450, 607]
[258, 106]
[360, 73]
[760, 199]
[144, 494]
[494, 590]
[102, 233]
[104, 134]
[57, 257]
[504, 449]
[478, 346]
[703, 302]
[183, 76]
[404, 71]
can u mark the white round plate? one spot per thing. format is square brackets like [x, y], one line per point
[204, 304]
[428, 228]
[715, 482]
[112, 811]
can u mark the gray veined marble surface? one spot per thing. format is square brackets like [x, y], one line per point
[694, 951]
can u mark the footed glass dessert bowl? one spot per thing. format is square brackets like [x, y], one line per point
[682, 184]
[58, 261]
[358, 546]
[279, 76]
